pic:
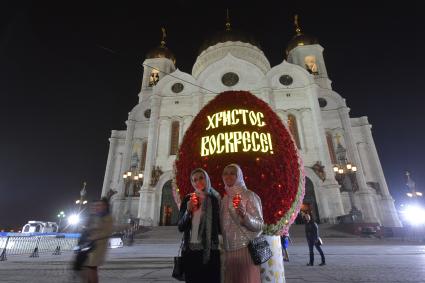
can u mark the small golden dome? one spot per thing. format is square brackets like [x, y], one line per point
[161, 51]
[300, 39]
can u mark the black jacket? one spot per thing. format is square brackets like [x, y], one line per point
[311, 231]
[185, 222]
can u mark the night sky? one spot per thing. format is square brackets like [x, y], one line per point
[70, 73]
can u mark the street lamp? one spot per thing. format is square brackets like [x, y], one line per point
[82, 201]
[412, 187]
[61, 216]
[133, 181]
[345, 174]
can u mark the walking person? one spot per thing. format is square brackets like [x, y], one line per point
[199, 219]
[285, 239]
[242, 220]
[99, 229]
[313, 240]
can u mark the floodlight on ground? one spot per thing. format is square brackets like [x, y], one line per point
[414, 214]
[73, 219]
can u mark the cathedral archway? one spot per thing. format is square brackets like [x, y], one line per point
[169, 211]
[309, 203]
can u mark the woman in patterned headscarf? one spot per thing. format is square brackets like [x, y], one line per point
[199, 219]
[239, 226]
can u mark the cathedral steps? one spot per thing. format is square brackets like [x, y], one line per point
[158, 235]
[170, 234]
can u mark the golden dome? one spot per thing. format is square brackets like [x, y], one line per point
[228, 35]
[161, 51]
[300, 39]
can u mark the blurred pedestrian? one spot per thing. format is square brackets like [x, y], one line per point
[313, 239]
[285, 239]
[99, 229]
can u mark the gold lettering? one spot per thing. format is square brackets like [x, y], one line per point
[227, 141]
[243, 112]
[252, 118]
[204, 150]
[263, 142]
[226, 118]
[255, 146]
[211, 122]
[269, 137]
[260, 116]
[213, 145]
[246, 140]
[220, 147]
[235, 120]
[237, 136]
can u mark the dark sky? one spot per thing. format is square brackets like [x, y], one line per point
[62, 91]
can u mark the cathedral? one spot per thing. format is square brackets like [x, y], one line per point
[344, 176]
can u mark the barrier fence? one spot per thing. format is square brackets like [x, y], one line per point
[34, 244]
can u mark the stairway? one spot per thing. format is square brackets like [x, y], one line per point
[159, 235]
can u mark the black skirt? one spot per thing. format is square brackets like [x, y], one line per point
[196, 271]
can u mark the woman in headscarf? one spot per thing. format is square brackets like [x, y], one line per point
[199, 219]
[242, 220]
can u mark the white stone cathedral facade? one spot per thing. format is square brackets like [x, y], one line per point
[298, 90]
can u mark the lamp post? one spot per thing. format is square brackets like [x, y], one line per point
[133, 181]
[61, 216]
[82, 201]
[412, 187]
[345, 174]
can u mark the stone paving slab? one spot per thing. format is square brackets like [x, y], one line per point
[355, 261]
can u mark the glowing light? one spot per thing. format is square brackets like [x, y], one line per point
[354, 168]
[409, 195]
[349, 166]
[230, 118]
[73, 219]
[84, 202]
[336, 169]
[340, 171]
[230, 142]
[414, 214]
[77, 201]
[419, 194]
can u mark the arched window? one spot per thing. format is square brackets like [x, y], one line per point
[154, 77]
[143, 156]
[311, 65]
[174, 141]
[331, 148]
[293, 128]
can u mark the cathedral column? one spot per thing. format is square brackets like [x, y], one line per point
[127, 154]
[109, 164]
[147, 194]
[366, 198]
[330, 195]
[389, 213]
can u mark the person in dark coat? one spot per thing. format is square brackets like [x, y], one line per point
[199, 219]
[313, 240]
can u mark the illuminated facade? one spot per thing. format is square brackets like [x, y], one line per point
[298, 90]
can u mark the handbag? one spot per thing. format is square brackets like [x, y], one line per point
[258, 248]
[178, 270]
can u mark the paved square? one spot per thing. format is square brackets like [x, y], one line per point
[348, 260]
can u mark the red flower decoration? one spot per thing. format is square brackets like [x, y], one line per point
[275, 177]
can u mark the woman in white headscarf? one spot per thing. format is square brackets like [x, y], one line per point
[199, 219]
[239, 226]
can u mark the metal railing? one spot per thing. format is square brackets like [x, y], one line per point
[33, 245]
